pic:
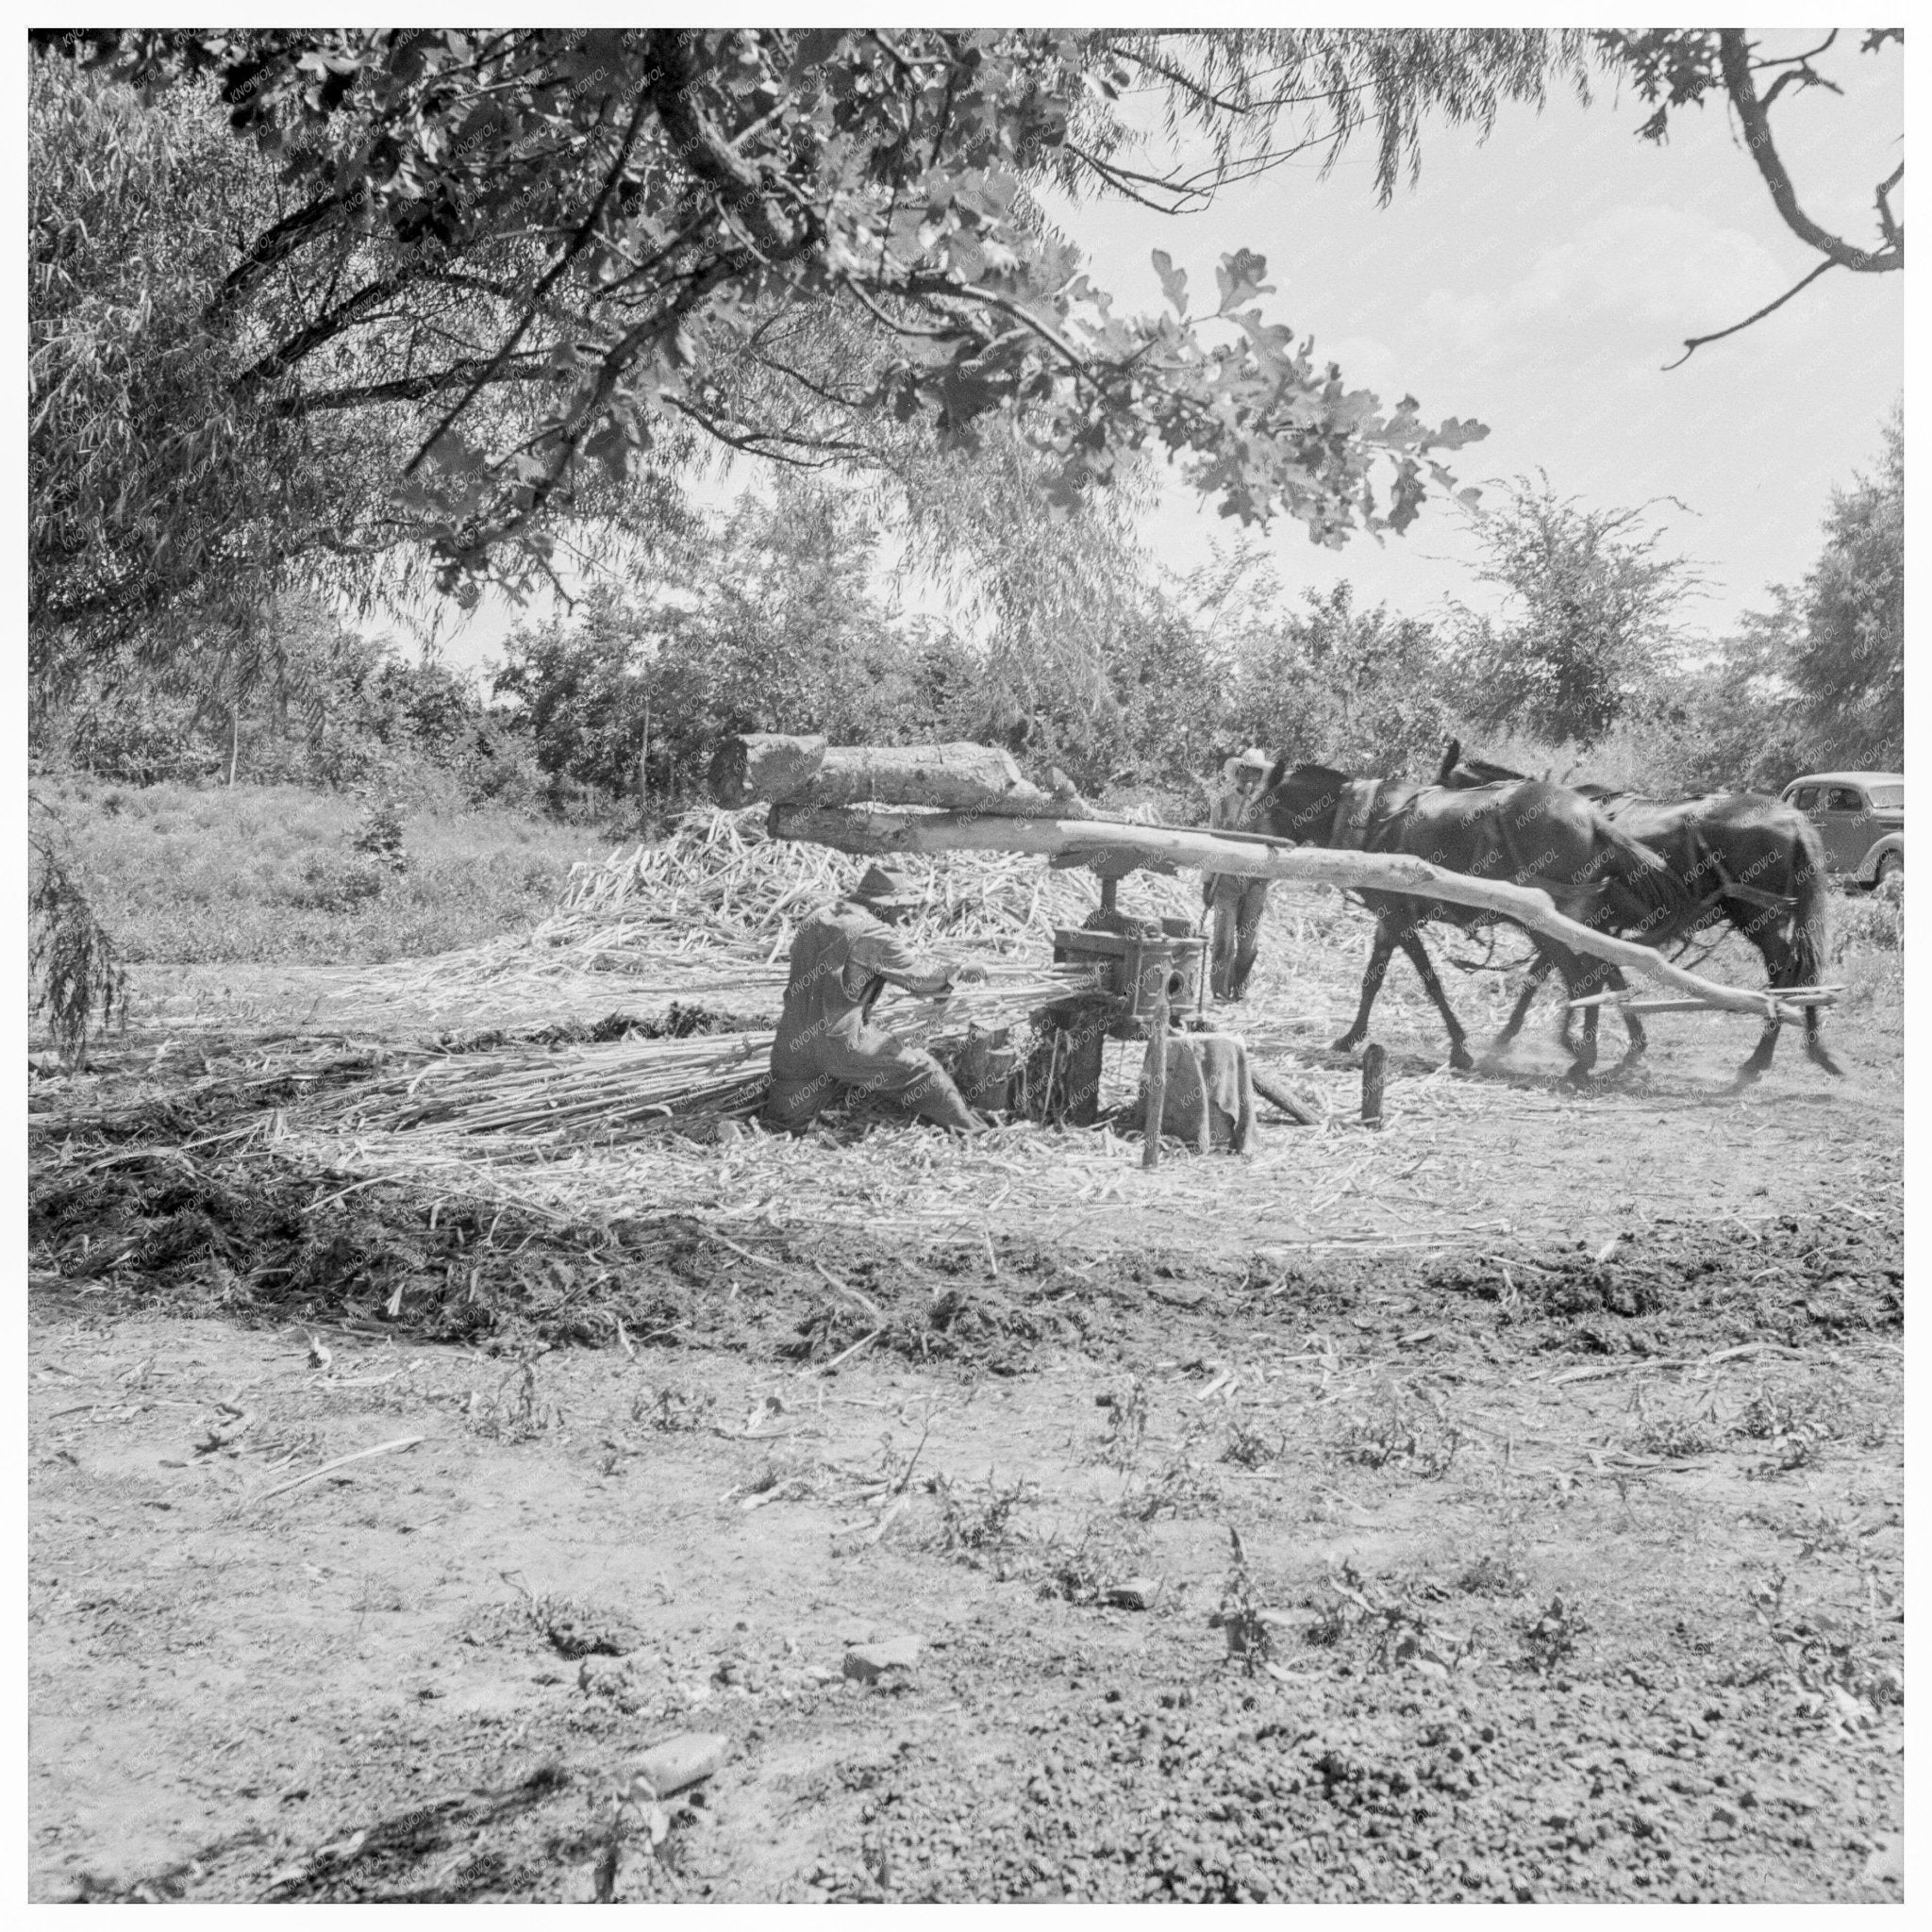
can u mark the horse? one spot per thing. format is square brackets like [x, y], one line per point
[1742, 857]
[1522, 830]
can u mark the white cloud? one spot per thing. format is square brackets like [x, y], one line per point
[1628, 284]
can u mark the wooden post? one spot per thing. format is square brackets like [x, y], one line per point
[1374, 1069]
[1157, 1079]
[644, 770]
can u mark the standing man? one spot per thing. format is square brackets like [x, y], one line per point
[841, 960]
[1234, 905]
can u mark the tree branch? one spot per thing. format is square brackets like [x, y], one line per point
[272, 247]
[1693, 344]
[1734, 60]
[573, 248]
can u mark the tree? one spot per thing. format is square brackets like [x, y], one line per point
[1849, 669]
[1330, 683]
[1587, 624]
[489, 287]
[1679, 67]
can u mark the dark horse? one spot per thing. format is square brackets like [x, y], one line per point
[1741, 858]
[1521, 832]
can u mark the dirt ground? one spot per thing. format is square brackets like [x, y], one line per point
[1562, 1560]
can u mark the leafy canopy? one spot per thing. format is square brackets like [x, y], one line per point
[488, 288]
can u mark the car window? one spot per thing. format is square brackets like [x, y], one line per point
[1845, 798]
[1806, 798]
[1889, 797]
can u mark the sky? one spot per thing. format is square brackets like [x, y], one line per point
[1538, 281]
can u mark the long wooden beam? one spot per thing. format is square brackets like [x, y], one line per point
[881, 834]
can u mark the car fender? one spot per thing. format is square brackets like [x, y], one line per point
[1868, 866]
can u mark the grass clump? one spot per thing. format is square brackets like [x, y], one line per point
[249, 874]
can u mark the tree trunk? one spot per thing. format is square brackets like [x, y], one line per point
[881, 834]
[234, 740]
[644, 753]
[767, 767]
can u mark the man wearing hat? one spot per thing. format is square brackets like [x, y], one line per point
[841, 960]
[1234, 905]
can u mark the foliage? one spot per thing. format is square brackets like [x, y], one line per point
[309, 701]
[1849, 667]
[1588, 622]
[1330, 683]
[269, 872]
[76, 975]
[488, 287]
[772, 621]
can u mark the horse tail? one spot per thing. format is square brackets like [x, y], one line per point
[1812, 920]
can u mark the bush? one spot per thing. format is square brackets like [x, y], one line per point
[1871, 921]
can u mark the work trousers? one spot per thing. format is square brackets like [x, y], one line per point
[872, 1063]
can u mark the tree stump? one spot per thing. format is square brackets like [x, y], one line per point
[1374, 1069]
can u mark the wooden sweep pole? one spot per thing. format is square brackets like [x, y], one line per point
[880, 833]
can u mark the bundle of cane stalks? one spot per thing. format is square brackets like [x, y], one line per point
[524, 1102]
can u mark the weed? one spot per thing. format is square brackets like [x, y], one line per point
[1083, 1571]
[672, 1408]
[1127, 1426]
[1493, 1574]
[1247, 1446]
[1396, 1428]
[1823, 1652]
[1676, 1437]
[517, 1411]
[1396, 1632]
[1180, 1486]
[1552, 1638]
[1243, 1617]
[1795, 1422]
[73, 965]
[976, 1521]
[380, 834]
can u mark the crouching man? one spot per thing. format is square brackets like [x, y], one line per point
[841, 960]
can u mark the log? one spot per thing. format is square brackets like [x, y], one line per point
[767, 767]
[1276, 1096]
[763, 765]
[881, 834]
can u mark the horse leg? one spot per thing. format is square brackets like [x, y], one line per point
[1532, 985]
[1577, 982]
[1815, 1047]
[1383, 951]
[1639, 1040]
[1782, 968]
[1637, 1043]
[1425, 967]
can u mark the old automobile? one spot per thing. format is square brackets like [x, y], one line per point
[1861, 818]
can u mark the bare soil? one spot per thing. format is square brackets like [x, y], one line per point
[1560, 1563]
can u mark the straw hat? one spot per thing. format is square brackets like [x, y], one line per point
[881, 888]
